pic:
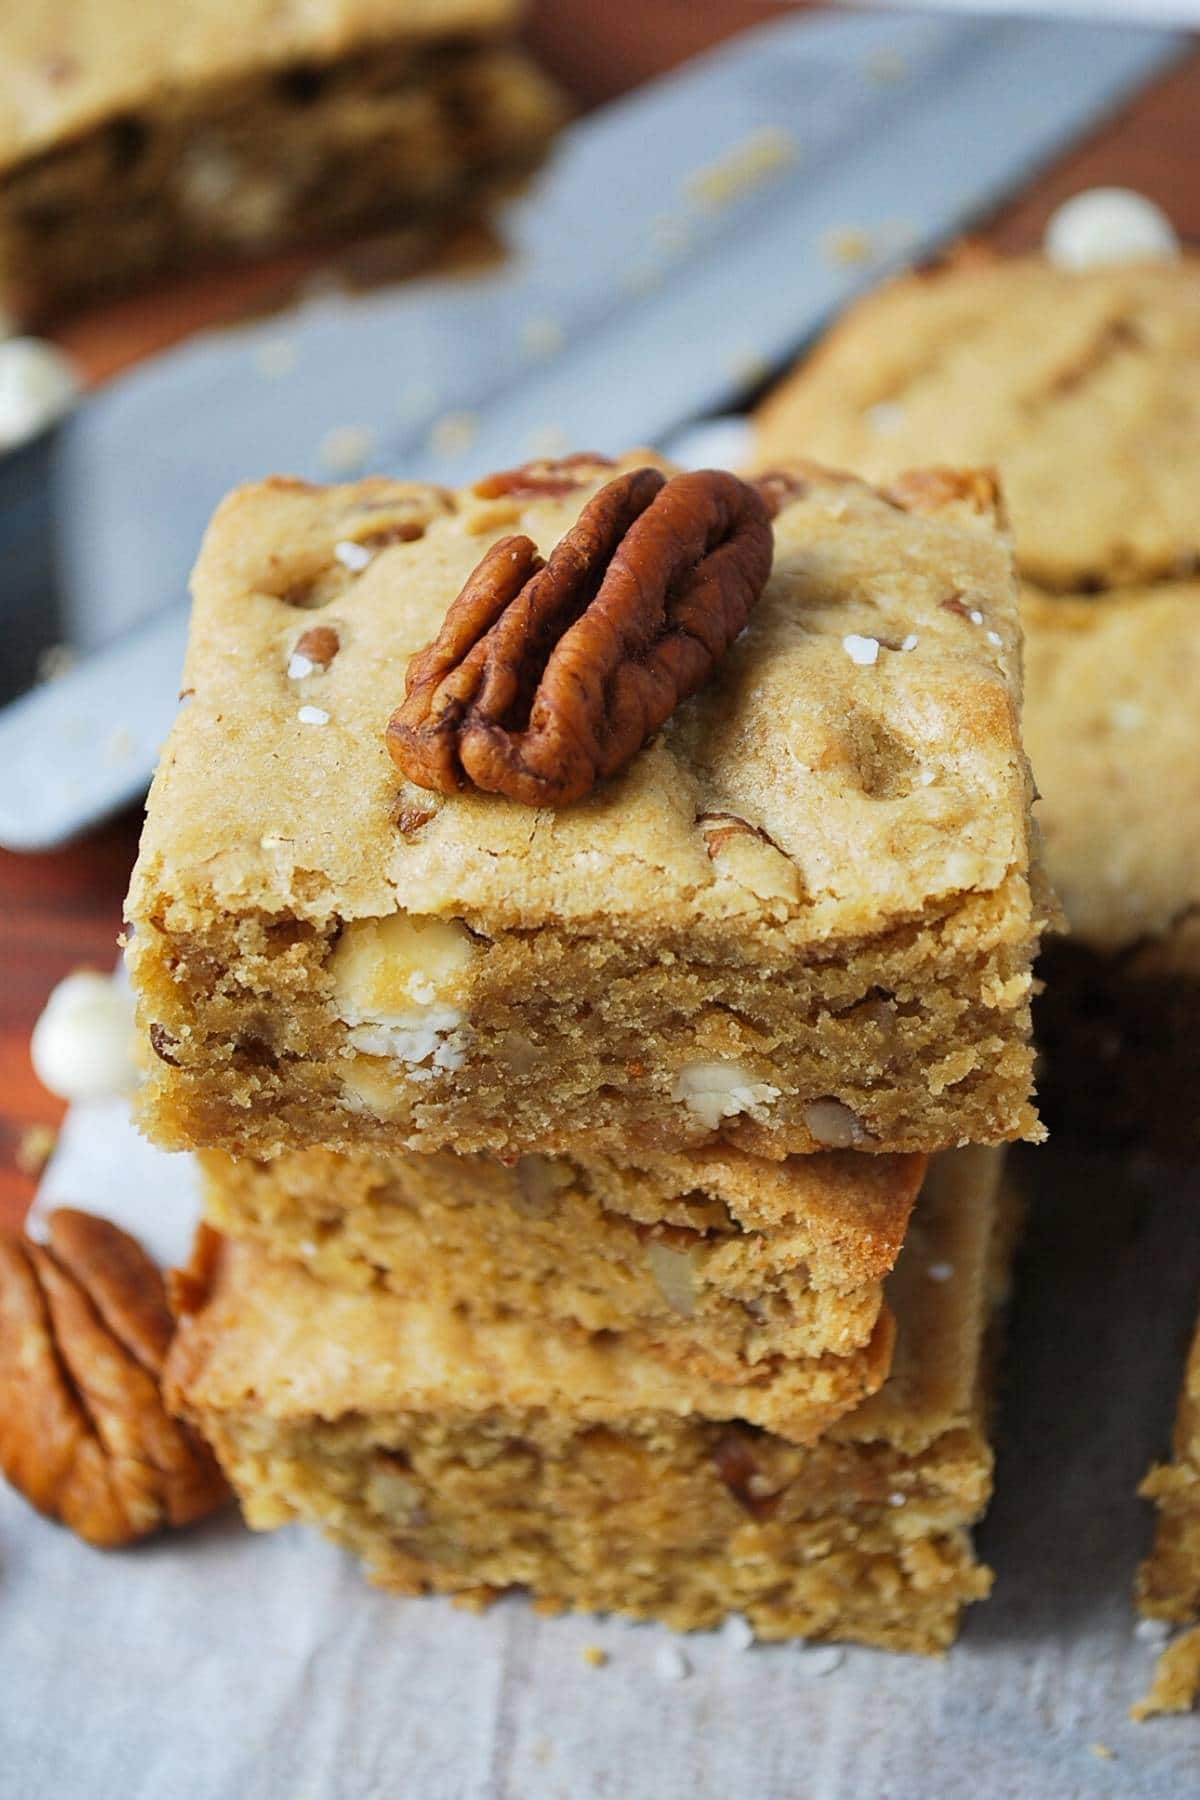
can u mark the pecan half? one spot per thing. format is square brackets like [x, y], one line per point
[545, 677]
[84, 1433]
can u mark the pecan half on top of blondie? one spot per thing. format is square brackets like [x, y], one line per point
[711, 1260]
[136, 139]
[463, 1456]
[801, 917]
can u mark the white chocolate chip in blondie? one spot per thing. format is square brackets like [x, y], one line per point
[672, 1270]
[834, 1125]
[397, 984]
[370, 1085]
[718, 1090]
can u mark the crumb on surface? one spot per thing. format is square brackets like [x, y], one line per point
[594, 1656]
[743, 168]
[453, 433]
[846, 247]
[345, 449]
[1105, 1752]
[1176, 1683]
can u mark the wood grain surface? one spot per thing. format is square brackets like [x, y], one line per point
[61, 911]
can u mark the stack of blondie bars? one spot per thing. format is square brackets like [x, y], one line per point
[1083, 385]
[601, 1198]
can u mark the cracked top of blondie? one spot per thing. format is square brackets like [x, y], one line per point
[853, 764]
[1082, 386]
[68, 65]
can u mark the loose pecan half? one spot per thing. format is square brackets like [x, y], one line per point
[545, 677]
[84, 1433]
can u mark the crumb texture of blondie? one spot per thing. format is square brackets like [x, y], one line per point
[1082, 387]
[720, 1263]
[1169, 1579]
[468, 1459]
[801, 919]
[137, 139]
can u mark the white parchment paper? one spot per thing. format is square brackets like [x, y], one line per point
[222, 1664]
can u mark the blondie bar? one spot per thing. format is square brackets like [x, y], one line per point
[716, 1261]
[1085, 388]
[1111, 728]
[464, 1457]
[801, 918]
[136, 139]
[1082, 386]
[1169, 1579]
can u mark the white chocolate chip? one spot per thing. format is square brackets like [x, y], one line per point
[897, 1499]
[713, 1091]
[352, 556]
[993, 637]
[300, 667]
[672, 1270]
[397, 984]
[861, 650]
[738, 1632]
[38, 384]
[370, 1086]
[83, 1046]
[834, 1125]
[1108, 225]
[313, 715]
[910, 642]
